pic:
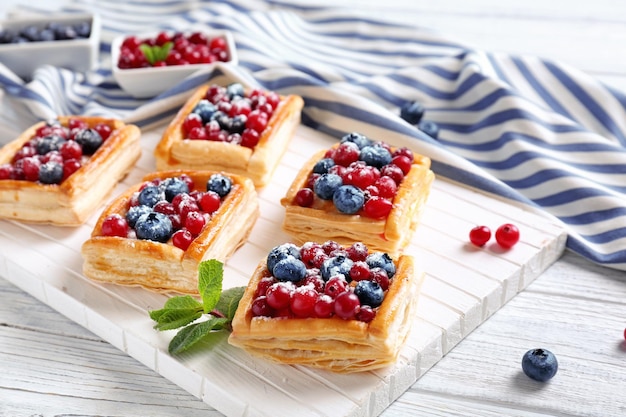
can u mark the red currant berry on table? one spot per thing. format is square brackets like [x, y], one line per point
[507, 235]
[480, 235]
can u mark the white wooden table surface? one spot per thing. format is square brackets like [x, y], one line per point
[50, 366]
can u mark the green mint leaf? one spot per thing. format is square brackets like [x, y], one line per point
[161, 53]
[192, 334]
[148, 52]
[183, 301]
[210, 275]
[168, 319]
[229, 300]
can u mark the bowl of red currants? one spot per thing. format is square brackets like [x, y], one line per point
[69, 40]
[147, 64]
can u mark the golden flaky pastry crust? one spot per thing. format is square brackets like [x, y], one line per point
[175, 152]
[322, 221]
[163, 267]
[76, 198]
[332, 343]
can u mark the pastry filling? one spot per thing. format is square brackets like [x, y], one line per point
[232, 115]
[360, 176]
[323, 280]
[169, 210]
[55, 152]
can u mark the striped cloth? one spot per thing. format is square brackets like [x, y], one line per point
[525, 128]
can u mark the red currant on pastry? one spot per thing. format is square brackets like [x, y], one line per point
[507, 235]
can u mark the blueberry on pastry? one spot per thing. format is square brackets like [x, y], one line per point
[359, 190]
[156, 233]
[60, 171]
[341, 308]
[243, 131]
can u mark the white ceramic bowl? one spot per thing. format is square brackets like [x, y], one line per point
[151, 81]
[75, 54]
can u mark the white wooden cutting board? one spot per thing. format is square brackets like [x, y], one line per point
[463, 287]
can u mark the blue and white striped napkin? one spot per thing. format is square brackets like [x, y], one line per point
[522, 127]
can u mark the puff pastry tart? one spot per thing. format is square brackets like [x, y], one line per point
[157, 232]
[359, 190]
[60, 171]
[343, 309]
[245, 132]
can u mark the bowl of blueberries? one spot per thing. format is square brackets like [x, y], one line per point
[147, 64]
[62, 40]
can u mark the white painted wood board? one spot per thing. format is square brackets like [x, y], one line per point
[463, 287]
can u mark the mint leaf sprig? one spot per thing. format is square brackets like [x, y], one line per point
[156, 53]
[184, 311]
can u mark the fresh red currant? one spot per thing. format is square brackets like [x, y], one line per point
[260, 307]
[480, 235]
[324, 306]
[279, 295]
[507, 235]
[210, 202]
[335, 286]
[193, 120]
[366, 314]
[380, 276]
[377, 207]
[194, 222]
[302, 302]
[70, 166]
[115, 225]
[387, 187]
[360, 270]
[357, 252]
[304, 197]
[347, 305]
[182, 239]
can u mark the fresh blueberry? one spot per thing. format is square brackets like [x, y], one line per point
[381, 260]
[430, 128]
[281, 252]
[89, 139]
[412, 112]
[323, 165]
[220, 184]
[224, 120]
[289, 269]
[46, 35]
[360, 140]
[83, 29]
[326, 185]
[348, 199]
[135, 213]
[51, 173]
[7, 36]
[150, 195]
[172, 187]
[238, 124]
[205, 109]
[369, 292]
[337, 265]
[65, 32]
[539, 364]
[48, 144]
[375, 155]
[154, 226]
[235, 90]
[31, 33]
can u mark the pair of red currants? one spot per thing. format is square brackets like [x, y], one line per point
[507, 235]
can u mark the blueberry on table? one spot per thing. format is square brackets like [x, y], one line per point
[348, 199]
[430, 128]
[412, 112]
[539, 364]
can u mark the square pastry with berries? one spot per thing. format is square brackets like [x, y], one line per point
[243, 131]
[340, 308]
[156, 233]
[60, 171]
[360, 190]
